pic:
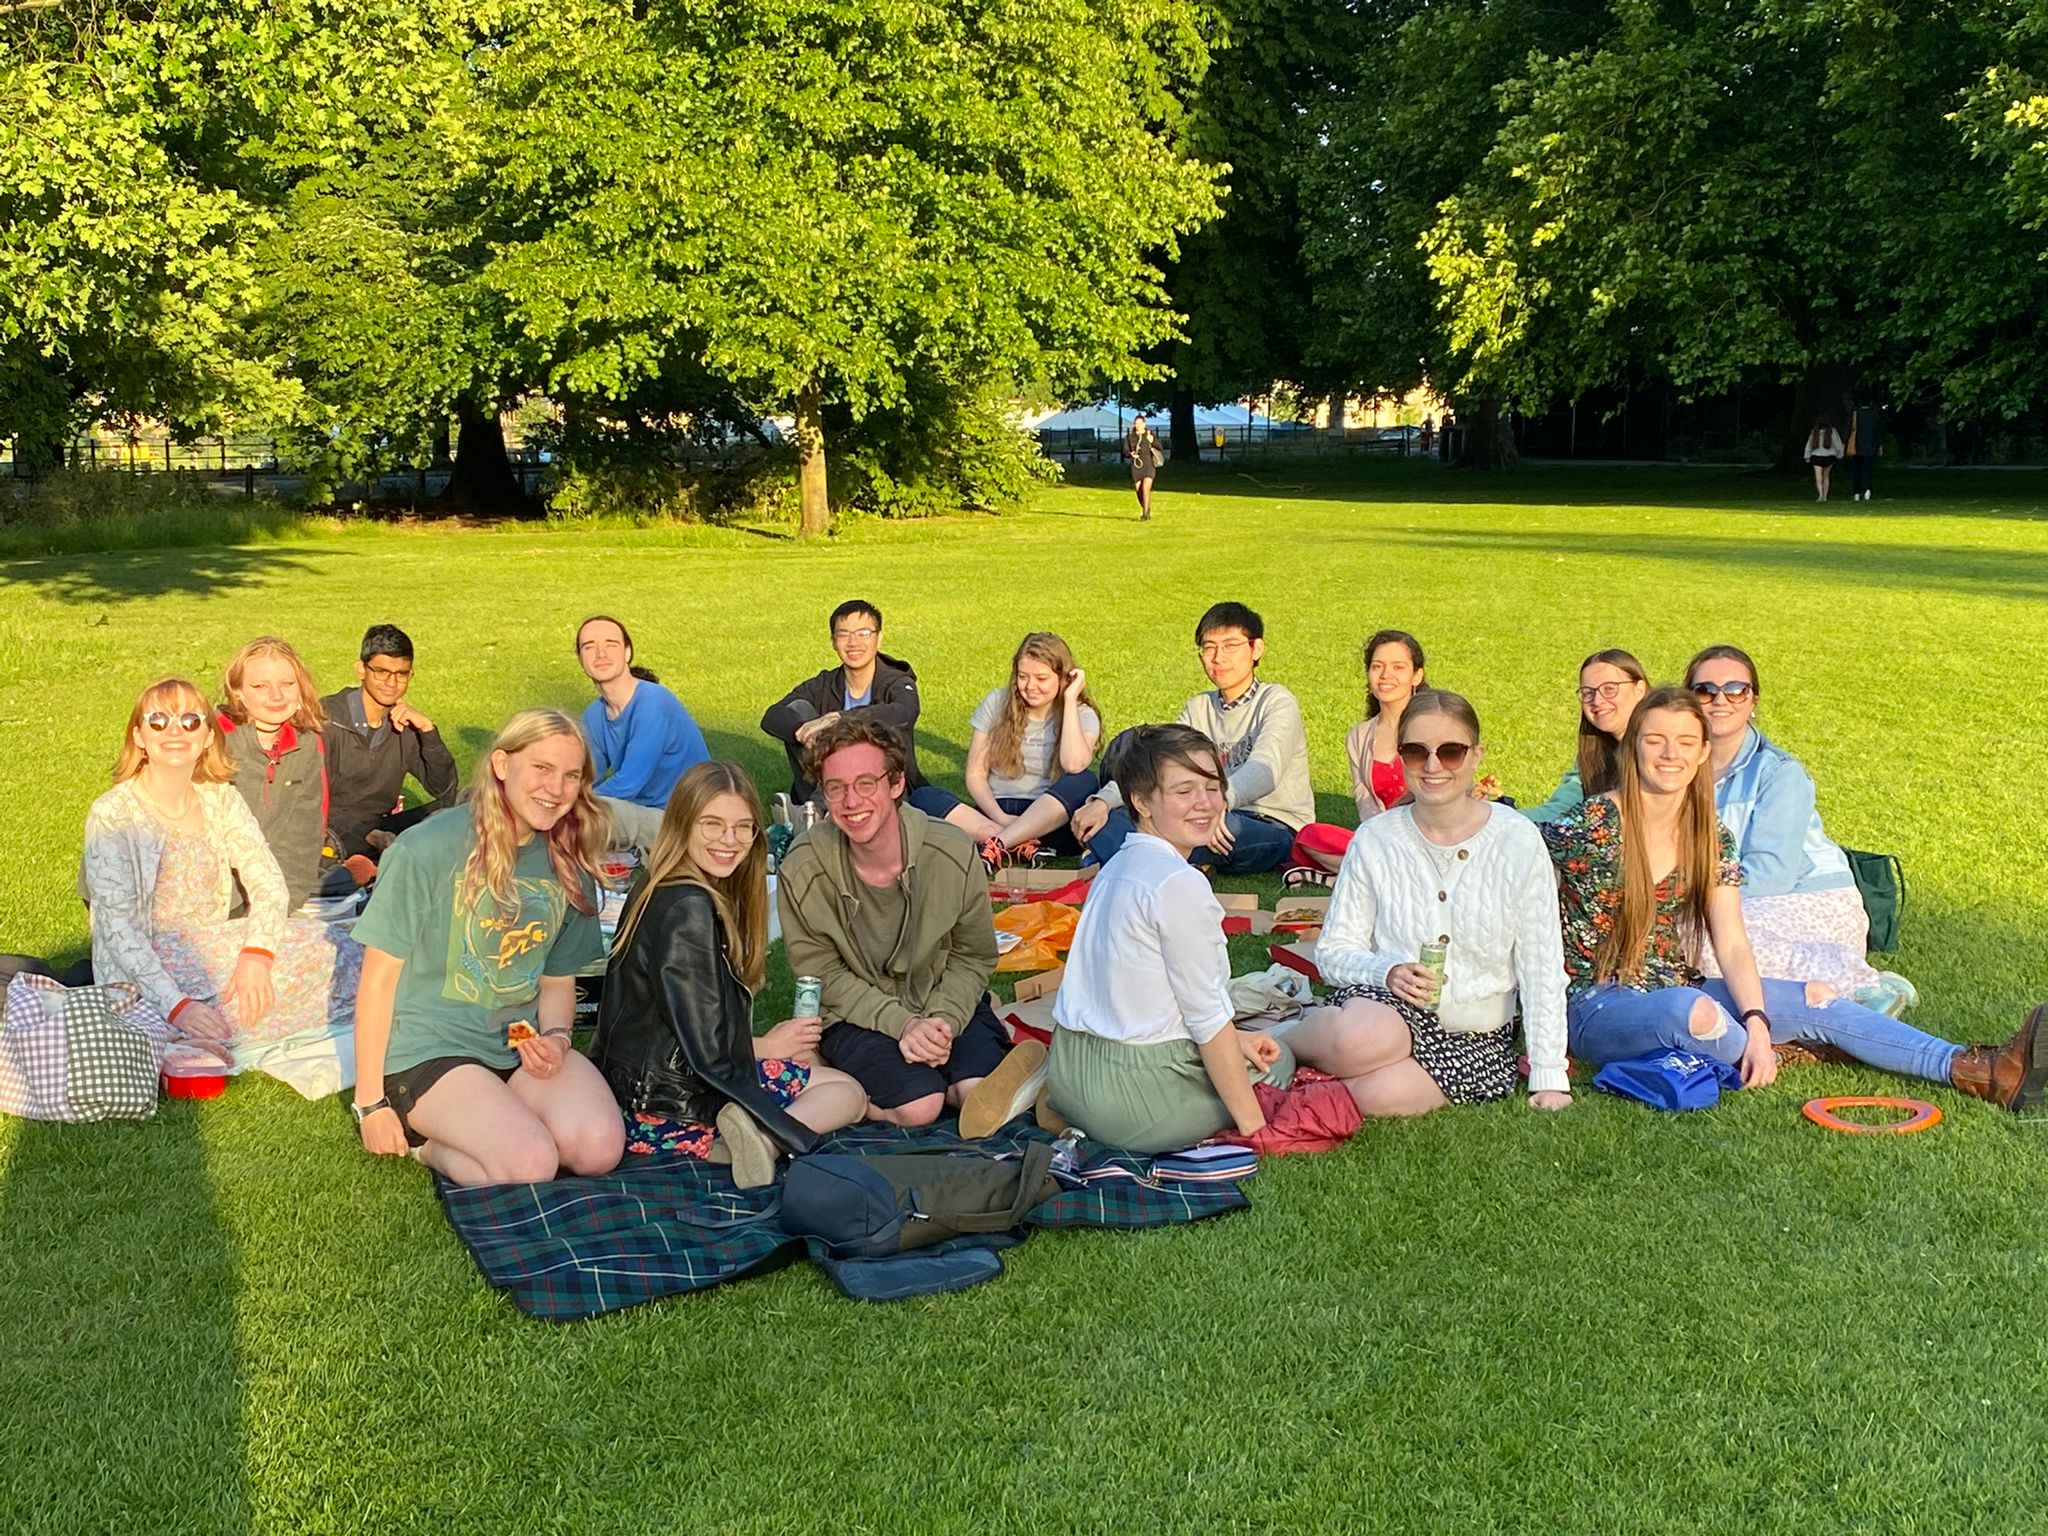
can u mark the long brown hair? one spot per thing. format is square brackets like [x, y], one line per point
[174, 695]
[1407, 642]
[1620, 954]
[741, 898]
[1006, 740]
[1597, 749]
[575, 842]
[308, 716]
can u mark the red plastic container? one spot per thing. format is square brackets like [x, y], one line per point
[195, 1080]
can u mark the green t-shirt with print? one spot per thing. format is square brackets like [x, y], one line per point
[469, 972]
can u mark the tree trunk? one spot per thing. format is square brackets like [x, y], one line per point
[37, 452]
[1182, 443]
[1489, 438]
[482, 480]
[444, 452]
[816, 517]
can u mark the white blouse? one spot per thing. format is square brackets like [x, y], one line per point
[1491, 898]
[1149, 962]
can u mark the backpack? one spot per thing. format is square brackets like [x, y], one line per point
[873, 1207]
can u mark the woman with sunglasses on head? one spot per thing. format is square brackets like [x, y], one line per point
[1800, 904]
[164, 850]
[1448, 868]
[271, 721]
[675, 1029]
[1611, 684]
[1648, 877]
[480, 924]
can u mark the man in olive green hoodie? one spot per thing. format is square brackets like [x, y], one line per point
[890, 910]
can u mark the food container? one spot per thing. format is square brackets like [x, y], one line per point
[195, 1079]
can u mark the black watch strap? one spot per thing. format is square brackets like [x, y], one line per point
[1756, 1013]
[364, 1111]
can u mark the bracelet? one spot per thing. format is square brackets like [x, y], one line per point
[364, 1111]
[1754, 1013]
[557, 1034]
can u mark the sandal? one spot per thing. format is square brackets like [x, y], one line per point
[1307, 874]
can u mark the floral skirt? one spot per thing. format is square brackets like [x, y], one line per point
[781, 1080]
[1467, 1068]
[1807, 936]
[314, 974]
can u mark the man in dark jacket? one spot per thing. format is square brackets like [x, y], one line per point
[866, 682]
[374, 741]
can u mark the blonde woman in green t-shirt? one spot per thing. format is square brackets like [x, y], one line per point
[480, 923]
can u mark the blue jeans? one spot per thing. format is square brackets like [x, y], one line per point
[1258, 843]
[1070, 789]
[1610, 1023]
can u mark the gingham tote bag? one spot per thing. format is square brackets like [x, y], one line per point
[78, 1053]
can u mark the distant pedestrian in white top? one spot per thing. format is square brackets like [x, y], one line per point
[1824, 449]
[1256, 725]
[1450, 869]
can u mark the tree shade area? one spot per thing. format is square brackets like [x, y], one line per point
[865, 238]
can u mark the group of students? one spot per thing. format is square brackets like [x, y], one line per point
[1676, 891]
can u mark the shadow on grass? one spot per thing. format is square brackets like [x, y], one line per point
[123, 1401]
[124, 576]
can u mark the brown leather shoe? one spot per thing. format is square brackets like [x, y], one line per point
[2011, 1075]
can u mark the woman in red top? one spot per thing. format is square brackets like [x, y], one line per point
[1394, 672]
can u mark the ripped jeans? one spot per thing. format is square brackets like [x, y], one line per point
[1609, 1022]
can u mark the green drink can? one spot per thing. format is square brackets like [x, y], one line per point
[810, 997]
[1433, 958]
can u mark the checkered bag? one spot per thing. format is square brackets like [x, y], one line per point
[79, 1053]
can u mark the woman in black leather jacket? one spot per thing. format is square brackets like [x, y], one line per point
[675, 1032]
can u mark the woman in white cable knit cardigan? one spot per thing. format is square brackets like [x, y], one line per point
[1448, 867]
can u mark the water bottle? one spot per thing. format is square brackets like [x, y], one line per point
[1066, 1152]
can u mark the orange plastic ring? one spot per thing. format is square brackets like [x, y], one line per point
[1822, 1113]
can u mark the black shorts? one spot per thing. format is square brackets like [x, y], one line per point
[875, 1060]
[407, 1088]
[1822, 461]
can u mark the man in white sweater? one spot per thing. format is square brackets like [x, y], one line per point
[1257, 727]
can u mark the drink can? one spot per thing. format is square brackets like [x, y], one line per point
[810, 998]
[1433, 957]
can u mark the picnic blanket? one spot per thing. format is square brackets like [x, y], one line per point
[660, 1226]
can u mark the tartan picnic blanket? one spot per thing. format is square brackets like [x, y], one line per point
[664, 1225]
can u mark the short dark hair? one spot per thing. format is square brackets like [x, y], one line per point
[1230, 616]
[854, 730]
[386, 640]
[848, 609]
[1138, 756]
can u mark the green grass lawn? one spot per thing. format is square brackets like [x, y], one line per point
[228, 1318]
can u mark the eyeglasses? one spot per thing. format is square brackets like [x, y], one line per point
[1214, 648]
[1734, 693]
[1605, 692]
[716, 831]
[836, 790]
[855, 634]
[1451, 754]
[389, 674]
[189, 722]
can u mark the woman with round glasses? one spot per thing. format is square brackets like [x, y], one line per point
[675, 1030]
[1611, 684]
[1442, 932]
[1799, 900]
[164, 850]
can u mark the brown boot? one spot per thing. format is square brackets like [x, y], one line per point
[2009, 1075]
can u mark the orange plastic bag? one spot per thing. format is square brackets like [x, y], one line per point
[1046, 928]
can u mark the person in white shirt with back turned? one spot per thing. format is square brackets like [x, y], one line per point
[1446, 867]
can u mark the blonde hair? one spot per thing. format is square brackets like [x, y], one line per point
[308, 716]
[741, 898]
[575, 842]
[1006, 738]
[171, 694]
[1620, 954]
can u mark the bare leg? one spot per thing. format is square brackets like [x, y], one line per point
[480, 1132]
[956, 1093]
[1043, 815]
[577, 1107]
[973, 823]
[1350, 1041]
[1145, 499]
[1401, 1089]
[832, 1099]
[1820, 483]
[916, 1112]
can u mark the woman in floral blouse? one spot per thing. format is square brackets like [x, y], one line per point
[1647, 875]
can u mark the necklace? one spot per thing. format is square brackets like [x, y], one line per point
[163, 812]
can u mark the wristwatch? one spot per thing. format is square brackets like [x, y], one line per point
[1755, 1013]
[364, 1111]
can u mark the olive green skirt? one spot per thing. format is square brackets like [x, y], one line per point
[1146, 1098]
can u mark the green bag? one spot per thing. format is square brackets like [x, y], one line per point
[1881, 882]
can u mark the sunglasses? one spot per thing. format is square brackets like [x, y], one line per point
[1451, 754]
[188, 722]
[1735, 693]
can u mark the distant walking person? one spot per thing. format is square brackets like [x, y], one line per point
[1866, 442]
[1141, 447]
[1823, 452]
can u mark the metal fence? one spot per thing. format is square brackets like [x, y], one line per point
[1089, 445]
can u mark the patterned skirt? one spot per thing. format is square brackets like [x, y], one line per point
[1807, 936]
[781, 1080]
[1467, 1068]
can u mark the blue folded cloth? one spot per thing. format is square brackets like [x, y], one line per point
[1669, 1079]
